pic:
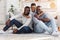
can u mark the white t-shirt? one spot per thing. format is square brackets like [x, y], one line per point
[25, 21]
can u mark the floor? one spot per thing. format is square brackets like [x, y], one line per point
[33, 36]
[27, 37]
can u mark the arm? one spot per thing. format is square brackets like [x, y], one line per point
[13, 17]
[27, 22]
[44, 19]
[8, 20]
[16, 16]
[36, 16]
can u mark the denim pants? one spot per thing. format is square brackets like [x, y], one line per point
[41, 26]
[25, 29]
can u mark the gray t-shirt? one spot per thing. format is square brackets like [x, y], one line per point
[46, 16]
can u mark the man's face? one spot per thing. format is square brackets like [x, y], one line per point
[27, 10]
[33, 8]
[38, 10]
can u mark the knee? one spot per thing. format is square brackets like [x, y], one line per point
[5, 28]
[13, 20]
[52, 19]
[40, 22]
[25, 27]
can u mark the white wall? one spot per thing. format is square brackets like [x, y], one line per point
[2, 11]
[5, 5]
[15, 3]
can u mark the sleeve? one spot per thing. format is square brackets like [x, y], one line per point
[45, 16]
[35, 20]
[27, 22]
[7, 16]
[16, 16]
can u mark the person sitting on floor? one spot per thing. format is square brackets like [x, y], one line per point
[43, 22]
[21, 21]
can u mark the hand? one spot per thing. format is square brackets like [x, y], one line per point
[36, 16]
[28, 16]
[15, 30]
[40, 14]
[56, 17]
[8, 22]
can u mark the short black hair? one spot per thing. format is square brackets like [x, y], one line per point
[33, 4]
[38, 6]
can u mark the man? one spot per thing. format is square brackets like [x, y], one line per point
[33, 8]
[44, 22]
[21, 21]
[32, 12]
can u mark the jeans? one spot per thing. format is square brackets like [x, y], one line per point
[25, 29]
[18, 24]
[41, 26]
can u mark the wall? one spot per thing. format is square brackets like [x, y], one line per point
[2, 11]
[15, 3]
[20, 4]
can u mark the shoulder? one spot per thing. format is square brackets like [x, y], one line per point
[44, 14]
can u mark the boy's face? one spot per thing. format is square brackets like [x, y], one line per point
[33, 8]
